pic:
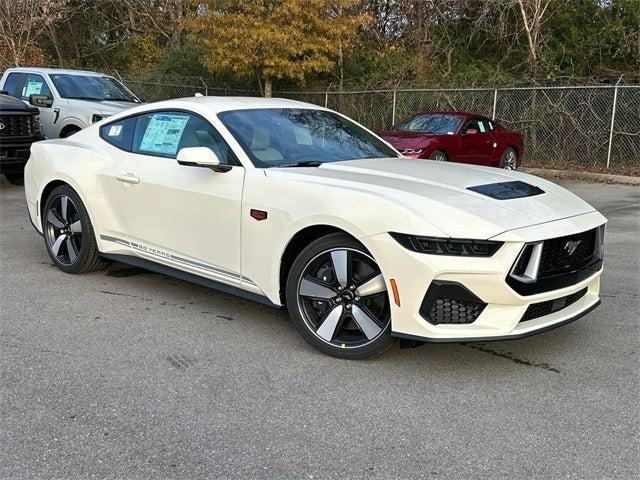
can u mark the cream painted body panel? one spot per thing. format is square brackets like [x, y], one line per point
[199, 221]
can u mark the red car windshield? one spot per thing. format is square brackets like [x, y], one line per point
[431, 123]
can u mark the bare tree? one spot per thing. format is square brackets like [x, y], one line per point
[21, 22]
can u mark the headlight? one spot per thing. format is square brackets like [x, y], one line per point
[411, 151]
[97, 117]
[447, 246]
[37, 126]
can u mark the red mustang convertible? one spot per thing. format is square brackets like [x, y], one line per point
[456, 137]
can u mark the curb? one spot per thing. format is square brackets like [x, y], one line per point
[584, 176]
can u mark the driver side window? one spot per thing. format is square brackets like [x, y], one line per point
[35, 85]
[164, 134]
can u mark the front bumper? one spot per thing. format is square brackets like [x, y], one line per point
[485, 278]
[14, 155]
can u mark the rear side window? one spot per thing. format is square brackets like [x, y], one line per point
[13, 84]
[119, 133]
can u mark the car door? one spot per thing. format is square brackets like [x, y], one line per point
[476, 142]
[184, 216]
[35, 84]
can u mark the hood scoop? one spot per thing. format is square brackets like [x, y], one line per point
[507, 190]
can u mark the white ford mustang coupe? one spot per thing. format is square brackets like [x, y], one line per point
[292, 204]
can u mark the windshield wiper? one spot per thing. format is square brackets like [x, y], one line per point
[308, 163]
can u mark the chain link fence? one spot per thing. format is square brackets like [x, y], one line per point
[593, 128]
[163, 87]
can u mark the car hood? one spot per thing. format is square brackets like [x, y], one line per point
[106, 107]
[404, 140]
[10, 104]
[438, 192]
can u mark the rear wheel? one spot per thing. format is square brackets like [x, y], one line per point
[68, 233]
[15, 178]
[337, 298]
[509, 160]
[438, 156]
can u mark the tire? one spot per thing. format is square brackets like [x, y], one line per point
[438, 156]
[68, 232]
[15, 178]
[509, 159]
[341, 310]
[68, 132]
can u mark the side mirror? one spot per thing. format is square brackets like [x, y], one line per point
[471, 131]
[40, 101]
[201, 157]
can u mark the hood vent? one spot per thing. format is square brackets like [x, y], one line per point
[507, 190]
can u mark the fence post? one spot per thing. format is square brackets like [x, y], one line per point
[613, 119]
[206, 89]
[393, 108]
[495, 102]
[326, 98]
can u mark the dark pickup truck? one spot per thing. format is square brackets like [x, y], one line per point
[19, 128]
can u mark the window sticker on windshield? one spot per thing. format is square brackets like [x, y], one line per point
[114, 130]
[163, 133]
[481, 126]
[32, 88]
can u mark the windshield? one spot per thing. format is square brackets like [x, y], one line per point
[89, 87]
[289, 136]
[431, 123]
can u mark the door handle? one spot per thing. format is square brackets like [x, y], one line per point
[128, 178]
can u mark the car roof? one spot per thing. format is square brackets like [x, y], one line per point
[452, 113]
[220, 104]
[55, 70]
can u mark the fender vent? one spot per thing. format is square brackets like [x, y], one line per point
[507, 190]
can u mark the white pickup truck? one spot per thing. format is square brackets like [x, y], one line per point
[69, 100]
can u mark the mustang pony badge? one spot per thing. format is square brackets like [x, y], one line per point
[571, 246]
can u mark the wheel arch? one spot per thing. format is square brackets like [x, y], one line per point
[68, 129]
[50, 186]
[297, 243]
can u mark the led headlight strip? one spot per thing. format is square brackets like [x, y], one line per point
[447, 246]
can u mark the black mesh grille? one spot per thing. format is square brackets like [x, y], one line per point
[564, 254]
[537, 310]
[16, 125]
[452, 311]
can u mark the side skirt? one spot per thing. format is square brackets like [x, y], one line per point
[189, 277]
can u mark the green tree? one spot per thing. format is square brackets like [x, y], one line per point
[281, 39]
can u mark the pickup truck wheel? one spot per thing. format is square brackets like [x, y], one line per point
[68, 131]
[337, 298]
[509, 160]
[68, 233]
[15, 178]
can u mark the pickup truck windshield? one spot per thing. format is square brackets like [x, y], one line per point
[292, 137]
[89, 87]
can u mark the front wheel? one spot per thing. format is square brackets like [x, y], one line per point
[509, 160]
[438, 156]
[68, 233]
[337, 298]
[15, 178]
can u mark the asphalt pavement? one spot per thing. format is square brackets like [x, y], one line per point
[127, 374]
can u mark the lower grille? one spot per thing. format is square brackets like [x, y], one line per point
[452, 311]
[537, 310]
[450, 303]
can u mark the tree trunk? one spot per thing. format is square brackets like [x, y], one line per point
[56, 44]
[268, 87]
